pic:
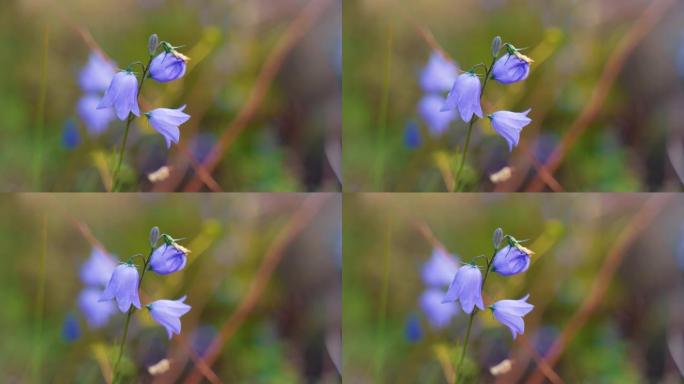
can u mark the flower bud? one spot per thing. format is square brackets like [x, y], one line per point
[152, 44]
[154, 236]
[496, 46]
[498, 237]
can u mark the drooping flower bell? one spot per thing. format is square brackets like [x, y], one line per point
[509, 125]
[438, 313]
[97, 74]
[437, 120]
[166, 121]
[97, 270]
[511, 260]
[95, 120]
[440, 269]
[122, 94]
[123, 287]
[168, 258]
[511, 68]
[438, 75]
[96, 312]
[168, 65]
[465, 97]
[168, 312]
[466, 288]
[510, 313]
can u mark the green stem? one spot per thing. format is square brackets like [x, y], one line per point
[457, 181]
[470, 320]
[131, 310]
[115, 176]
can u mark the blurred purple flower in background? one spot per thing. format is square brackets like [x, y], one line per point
[167, 259]
[71, 137]
[438, 312]
[465, 97]
[166, 122]
[510, 313]
[413, 331]
[440, 269]
[96, 120]
[96, 312]
[509, 124]
[98, 269]
[511, 260]
[122, 95]
[167, 66]
[438, 75]
[510, 69]
[70, 328]
[168, 312]
[430, 110]
[466, 288]
[97, 74]
[412, 138]
[123, 286]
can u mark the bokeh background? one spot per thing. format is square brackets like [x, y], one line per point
[290, 140]
[608, 73]
[288, 246]
[607, 278]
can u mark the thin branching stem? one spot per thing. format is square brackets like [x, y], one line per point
[457, 181]
[115, 176]
[470, 320]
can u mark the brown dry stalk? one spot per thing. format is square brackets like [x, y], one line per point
[641, 221]
[271, 260]
[639, 30]
[294, 33]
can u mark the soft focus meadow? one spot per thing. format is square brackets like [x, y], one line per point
[261, 88]
[605, 281]
[604, 89]
[262, 279]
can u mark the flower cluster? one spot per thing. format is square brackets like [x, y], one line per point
[436, 79]
[94, 80]
[436, 274]
[122, 92]
[111, 285]
[510, 258]
[467, 90]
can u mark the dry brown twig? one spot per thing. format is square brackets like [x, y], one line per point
[593, 299]
[297, 223]
[294, 33]
[639, 30]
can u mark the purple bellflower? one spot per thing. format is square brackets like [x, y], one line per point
[511, 68]
[96, 120]
[510, 313]
[97, 74]
[168, 258]
[168, 66]
[123, 286]
[509, 124]
[465, 97]
[96, 312]
[511, 260]
[122, 94]
[97, 270]
[168, 312]
[438, 75]
[440, 269]
[438, 312]
[166, 122]
[466, 288]
[437, 120]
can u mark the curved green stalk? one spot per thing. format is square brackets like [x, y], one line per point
[115, 175]
[470, 128]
